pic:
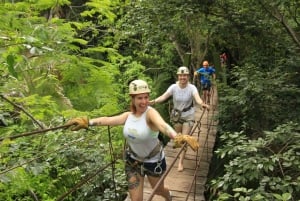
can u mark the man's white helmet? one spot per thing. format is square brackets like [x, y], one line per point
[138, 87]
[183, 70]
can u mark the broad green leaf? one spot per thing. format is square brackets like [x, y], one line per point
[10, 59]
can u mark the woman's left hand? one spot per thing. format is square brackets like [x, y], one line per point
[180, 139]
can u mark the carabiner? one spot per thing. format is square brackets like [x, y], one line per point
[158, 169]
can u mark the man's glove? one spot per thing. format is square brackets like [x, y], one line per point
[181, 139]
[78, 123]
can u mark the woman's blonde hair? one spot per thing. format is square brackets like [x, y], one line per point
[132, 106]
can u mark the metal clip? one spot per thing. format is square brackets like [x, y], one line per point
[175, 115]
[158, 169]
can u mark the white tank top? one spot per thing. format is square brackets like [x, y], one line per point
[141, 139]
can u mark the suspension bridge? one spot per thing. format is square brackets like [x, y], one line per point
[187, 185]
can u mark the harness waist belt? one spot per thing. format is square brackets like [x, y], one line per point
[187, 108]
[153, 153]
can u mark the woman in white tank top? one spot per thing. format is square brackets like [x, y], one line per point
[145, 155]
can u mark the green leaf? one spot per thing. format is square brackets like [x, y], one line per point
[224, 196]
[259, 197]
[277, 196]
[10, 59]
[286, 196]
[271, 167]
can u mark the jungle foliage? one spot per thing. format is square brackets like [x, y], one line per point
[63, 59]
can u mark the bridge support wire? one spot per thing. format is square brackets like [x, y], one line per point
[209, 124]
[82, 182]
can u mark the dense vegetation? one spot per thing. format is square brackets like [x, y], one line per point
[62, 59]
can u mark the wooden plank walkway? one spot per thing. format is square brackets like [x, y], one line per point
[180, 182]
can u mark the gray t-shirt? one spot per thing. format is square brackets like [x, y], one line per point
[183, 97]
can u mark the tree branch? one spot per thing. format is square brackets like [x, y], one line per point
[179, 49]
[21, 108]
[280, 17]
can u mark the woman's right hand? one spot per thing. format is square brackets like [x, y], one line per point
[78, 123]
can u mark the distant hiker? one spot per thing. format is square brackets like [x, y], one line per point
[207, 74]
[223, 59]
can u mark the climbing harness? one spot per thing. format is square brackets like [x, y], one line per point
[140, 166]
[176, 114]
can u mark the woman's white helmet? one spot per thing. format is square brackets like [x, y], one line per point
[138, 87]
[183, 70]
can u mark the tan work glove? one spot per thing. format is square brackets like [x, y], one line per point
[181, 139]
[78, 123]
